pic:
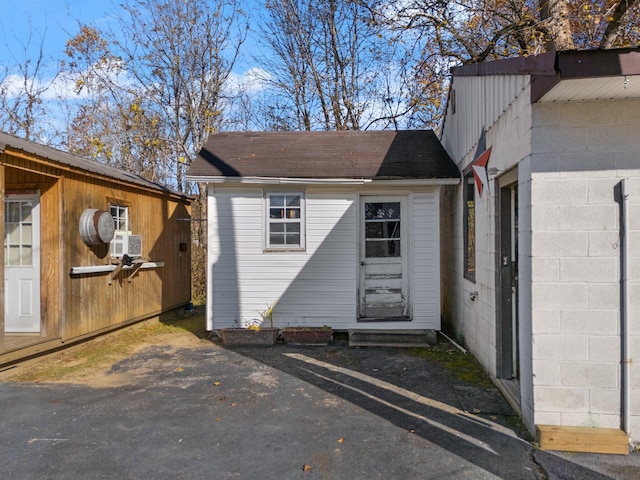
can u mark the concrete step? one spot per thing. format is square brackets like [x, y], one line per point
[391, 338]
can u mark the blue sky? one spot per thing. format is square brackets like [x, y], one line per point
[53, 20]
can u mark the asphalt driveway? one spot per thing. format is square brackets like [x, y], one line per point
[209, 412]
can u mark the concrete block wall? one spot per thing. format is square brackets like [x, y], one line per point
[581, 152]
[474, 321]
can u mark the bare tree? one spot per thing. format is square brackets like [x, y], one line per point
[449, 32]
[23, 111]
[154, 89]
[330, 67]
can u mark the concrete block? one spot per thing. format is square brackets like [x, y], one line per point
[601, 190]
[559, 192]
[603, 244]
[546, 218]
[559, 295]
[605, 401]
[546, 322]
[591, 420]
[589, 217]
[586, 114]
[545, 270]
[547, 373]
[561, 348]
[559, 244]
[562, 399]
[589, 322]
[604, 296]
[614, 139]
[550, 139]
[590, 375]
[589, 270]
[604, 348]
[548, 418]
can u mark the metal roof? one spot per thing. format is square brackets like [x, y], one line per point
[327, 156]
[76, 162]
[575, 75]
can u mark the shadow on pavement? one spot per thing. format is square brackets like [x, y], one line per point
[411, 393]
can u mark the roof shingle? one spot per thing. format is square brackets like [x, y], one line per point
[378, 155]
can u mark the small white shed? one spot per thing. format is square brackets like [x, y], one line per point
[335, 228]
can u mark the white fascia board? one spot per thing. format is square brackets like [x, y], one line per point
[322, 181]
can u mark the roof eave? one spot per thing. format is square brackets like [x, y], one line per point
[323, 181]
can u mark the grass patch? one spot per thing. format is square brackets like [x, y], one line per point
[461, 366]
[101, 352]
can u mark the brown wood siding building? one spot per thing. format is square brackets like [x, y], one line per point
[72, 303]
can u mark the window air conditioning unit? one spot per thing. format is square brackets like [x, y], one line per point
[123, 244]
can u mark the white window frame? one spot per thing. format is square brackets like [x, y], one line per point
[301, 220]
[120, 221]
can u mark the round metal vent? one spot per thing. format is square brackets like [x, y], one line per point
[96, 227]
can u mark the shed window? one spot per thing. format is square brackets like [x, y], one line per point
[469, 227]
[120, 214]
[285, 221]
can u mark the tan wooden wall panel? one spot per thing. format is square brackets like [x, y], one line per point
[74, 306]
[91, 303]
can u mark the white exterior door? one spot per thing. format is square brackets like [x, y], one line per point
[22, 264]
[383, 289]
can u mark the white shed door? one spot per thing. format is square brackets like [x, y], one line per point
[383, 291]
[22, 264]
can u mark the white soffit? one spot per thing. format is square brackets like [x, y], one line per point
[602, 88]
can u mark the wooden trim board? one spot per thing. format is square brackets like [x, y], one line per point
[582, 439]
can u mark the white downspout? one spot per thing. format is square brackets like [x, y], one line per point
[624, 307]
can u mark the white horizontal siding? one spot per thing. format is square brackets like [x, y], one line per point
[318, 286]
[311, 287]
[425, 263]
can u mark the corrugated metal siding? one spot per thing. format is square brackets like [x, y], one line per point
[479, 101]
[317, 286]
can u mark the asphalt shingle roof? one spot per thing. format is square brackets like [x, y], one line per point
[377, 155]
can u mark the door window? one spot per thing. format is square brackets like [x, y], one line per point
[382, 229]
[18, 249]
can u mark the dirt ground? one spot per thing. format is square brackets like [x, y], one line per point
[89, 363]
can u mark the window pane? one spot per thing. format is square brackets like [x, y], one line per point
[277, 228]
[276, 200]
[293, 240]
[285, 220]
[292, 228]
[276, 213]
[293, 213]
[293, 200]
[26, 211]
[469, 228]
[13, 212]
[27, 233]
[276, 239]
[14, 255]
[25, 258]
[382, 210]
[383, 229]
[382, 248]
[13, 233]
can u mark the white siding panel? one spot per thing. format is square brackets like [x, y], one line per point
[314, 287]
[425, 262]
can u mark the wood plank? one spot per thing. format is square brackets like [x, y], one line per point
[582, 439]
